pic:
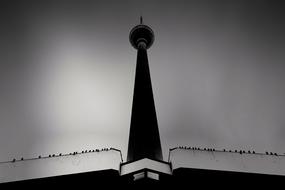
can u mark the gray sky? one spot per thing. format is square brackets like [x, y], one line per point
[67, 74]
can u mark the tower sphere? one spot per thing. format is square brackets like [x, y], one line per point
[141, 36]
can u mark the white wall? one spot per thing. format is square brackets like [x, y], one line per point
[253, 163]
[45, 167]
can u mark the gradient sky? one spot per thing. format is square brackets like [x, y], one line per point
[67, 74]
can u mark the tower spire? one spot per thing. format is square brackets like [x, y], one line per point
[141, 20]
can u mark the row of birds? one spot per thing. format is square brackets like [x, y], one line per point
[224, 150]
[179, 147]
[72, 153]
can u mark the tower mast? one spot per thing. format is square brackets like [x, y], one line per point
[144, 139]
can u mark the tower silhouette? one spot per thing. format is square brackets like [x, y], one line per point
[144, 139]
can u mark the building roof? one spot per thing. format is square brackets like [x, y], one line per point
[239, 161]
[60, 164]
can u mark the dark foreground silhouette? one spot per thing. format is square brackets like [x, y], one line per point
[182, 177]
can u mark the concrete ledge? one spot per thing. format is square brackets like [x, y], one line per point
[228, 161]
[59, 165]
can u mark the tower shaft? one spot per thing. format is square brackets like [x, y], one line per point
[144, 139]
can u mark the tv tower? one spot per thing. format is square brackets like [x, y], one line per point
[144, 140]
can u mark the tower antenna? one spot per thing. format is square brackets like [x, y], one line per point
[141, 20]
